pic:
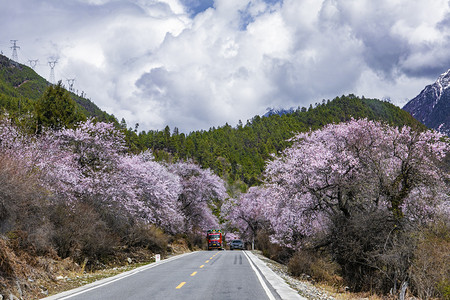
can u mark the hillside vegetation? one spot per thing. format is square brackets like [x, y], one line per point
[240, 153]
[21, 87]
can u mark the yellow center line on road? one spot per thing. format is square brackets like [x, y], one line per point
[211, 257]
[193, 274]
[207, 261]
[202, 266]
[180, 285]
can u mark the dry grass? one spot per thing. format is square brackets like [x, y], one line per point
[320, 268]
[430, 270]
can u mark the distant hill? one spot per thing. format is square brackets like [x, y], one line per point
[21, 86]
[277, 111]
[240, 153]
[432, 105]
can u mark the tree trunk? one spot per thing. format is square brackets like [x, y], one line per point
[403, 289]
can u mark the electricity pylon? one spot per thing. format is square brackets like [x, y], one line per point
[33, 63]
[52, 64]
[70, 82]
[14, 48]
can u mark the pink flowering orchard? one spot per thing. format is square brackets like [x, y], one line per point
[90, 164]
[346, 169]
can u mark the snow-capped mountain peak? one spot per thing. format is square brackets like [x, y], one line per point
[442, 84]
[432, 105]
[444, 79]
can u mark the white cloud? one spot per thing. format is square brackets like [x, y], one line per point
[399, 91]
[154, 63]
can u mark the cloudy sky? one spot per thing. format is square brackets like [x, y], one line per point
[194, 64]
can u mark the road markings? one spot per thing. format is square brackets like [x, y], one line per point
[180, 285]
[193, 274]
[106, 281]
[202, 266]
[207, 261]
[261, 280]
[211, 257]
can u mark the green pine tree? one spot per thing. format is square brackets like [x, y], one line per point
[56, 109]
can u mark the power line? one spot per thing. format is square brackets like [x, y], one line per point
[52, 64]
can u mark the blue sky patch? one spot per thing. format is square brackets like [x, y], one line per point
[197, 6]
[273, 1]
[247, 17]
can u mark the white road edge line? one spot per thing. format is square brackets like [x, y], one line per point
[261, 280]
[278, 283]
[89, 287]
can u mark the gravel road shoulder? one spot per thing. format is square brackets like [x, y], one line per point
[304, 288]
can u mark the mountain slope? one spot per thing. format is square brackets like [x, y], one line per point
[21, 87]
[240, 153]
[432, 105]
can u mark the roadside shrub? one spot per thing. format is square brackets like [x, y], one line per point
[148, 237]
[373, 250]
[318, 266]
[444, 288]
[430, 269]
[6, 263]
[23, 206]
[80, 233]
[272, 250]
[195, 240]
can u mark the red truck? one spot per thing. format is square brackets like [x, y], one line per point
[214, 238]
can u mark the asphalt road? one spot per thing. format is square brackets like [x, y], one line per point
[199, 275]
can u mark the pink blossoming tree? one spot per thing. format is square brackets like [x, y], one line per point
[202, 193]
[355, 189]
[357, 167]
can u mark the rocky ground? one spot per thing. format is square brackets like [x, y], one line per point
[305, 288]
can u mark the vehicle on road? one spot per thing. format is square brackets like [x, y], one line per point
[236, 244]
[214, 238]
